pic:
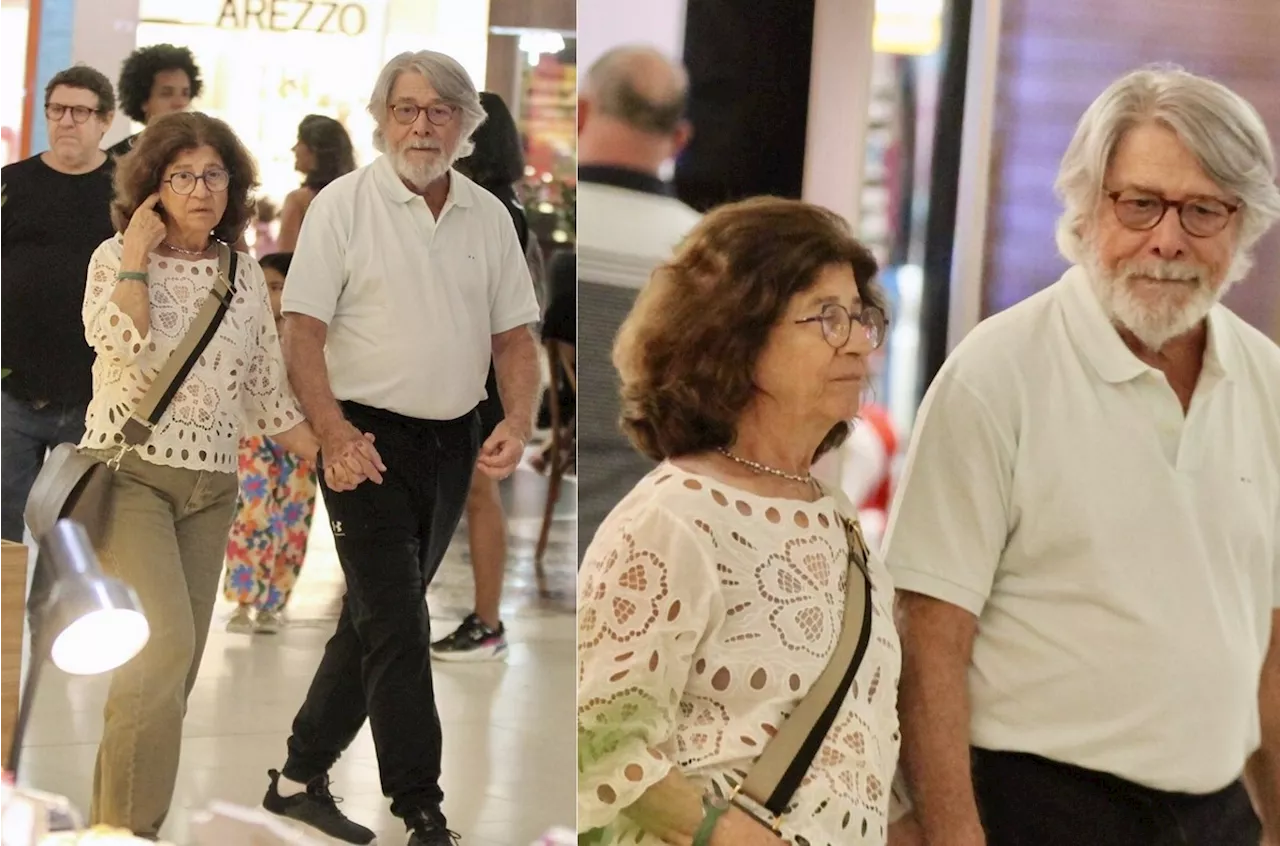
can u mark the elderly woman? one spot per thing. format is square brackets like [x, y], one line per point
[184, 187]
[713, 596]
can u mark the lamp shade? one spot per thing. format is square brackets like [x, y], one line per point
[95, 621]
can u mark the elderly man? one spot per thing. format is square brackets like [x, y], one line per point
[630, 123]
[57, 210]
[1087, 534]
[412, 276]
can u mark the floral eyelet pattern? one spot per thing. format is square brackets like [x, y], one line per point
[710, 612]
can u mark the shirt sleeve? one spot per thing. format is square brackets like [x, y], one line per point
[107, 329]
[268, 402]
[645, 596]
[512, 301]
[950, 521]
[318, 272]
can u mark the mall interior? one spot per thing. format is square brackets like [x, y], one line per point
[506, 724]
[934, 126]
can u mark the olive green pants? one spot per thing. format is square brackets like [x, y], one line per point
[166, 538]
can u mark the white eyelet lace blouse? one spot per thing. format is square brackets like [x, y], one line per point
[705, 614]
[238, 384]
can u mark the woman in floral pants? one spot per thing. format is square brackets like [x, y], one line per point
[268, 540]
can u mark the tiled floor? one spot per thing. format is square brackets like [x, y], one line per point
[509, 756]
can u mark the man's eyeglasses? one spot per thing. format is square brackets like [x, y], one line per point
[1201, 217]
[79, 114]
[215, 179]
[438, 113]
[837, 324]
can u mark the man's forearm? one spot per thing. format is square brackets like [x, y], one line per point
[519, 379]
[933, 702]
[1262, 770]
[304, 339]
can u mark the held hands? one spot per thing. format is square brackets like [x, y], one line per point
[145, 230]
[350, 458]
[500, 454]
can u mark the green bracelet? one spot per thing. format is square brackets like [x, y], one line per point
[713, 808]
[135, 275]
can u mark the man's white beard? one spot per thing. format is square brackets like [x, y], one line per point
[1185, 297]
[421, 174]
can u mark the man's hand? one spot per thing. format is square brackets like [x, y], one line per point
[502, 451]
[350, 458]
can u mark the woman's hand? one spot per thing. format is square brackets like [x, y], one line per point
[144, 233]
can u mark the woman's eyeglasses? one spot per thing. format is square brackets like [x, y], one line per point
[438, 113]
[837, 324]
[184, 182]
[79, 114]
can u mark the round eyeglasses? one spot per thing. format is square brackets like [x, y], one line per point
[184, 182]
[79, 114]
[438, 113]
[837, 324]
[1201, 217]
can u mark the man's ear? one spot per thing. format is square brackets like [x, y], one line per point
[583, 109]
[681, 137]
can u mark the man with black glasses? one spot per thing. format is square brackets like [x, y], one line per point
[56, 212]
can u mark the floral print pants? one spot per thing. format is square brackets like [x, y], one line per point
[273, 521]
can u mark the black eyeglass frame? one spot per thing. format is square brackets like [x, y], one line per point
[64, 108]
[417, 110]
[195, 179]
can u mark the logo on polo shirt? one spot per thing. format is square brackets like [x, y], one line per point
[336, 526]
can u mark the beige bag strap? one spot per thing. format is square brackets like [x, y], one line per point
[137, 429]
[777, 773]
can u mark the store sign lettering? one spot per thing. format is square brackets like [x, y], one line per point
[294, 16]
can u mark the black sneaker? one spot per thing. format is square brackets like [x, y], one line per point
[473, 641]
[318, 808]
[429, 828]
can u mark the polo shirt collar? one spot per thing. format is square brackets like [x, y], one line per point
[460, 188]
[1098, 341]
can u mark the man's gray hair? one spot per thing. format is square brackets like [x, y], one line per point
[450, 80]
[1218, 126]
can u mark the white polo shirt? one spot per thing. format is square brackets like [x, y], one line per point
[412, 302]
[1124, 559]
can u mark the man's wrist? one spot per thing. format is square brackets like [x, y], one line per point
[522, 426]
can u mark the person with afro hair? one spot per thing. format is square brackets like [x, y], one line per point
[155, 81]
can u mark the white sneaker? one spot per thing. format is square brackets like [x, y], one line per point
[269, 622]
[241, 622]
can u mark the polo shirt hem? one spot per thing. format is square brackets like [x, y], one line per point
[928, 584]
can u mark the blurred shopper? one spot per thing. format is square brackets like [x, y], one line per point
[630, 122]
[713, 595]
[1087, 533]
[322, 153]
[273, 514]
[57, 210]
[408, 280]
[495, 164]
[183, 188]
[265, 216]
[156, 81]
[866, 469]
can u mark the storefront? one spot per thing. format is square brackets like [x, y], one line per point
[14, 31]
[533, 66]
[267, 64]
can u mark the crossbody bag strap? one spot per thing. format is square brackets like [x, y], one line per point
[137, 429]
[777, 773]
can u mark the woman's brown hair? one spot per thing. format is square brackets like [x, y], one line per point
[138, 172]
[687, 353]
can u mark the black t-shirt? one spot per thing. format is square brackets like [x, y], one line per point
[51, 224]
